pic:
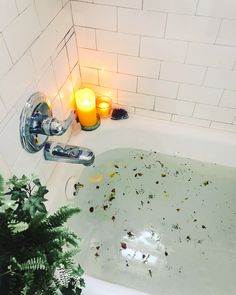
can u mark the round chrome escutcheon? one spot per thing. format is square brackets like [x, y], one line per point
[36, 104]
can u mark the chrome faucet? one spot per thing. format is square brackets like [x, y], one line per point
[37, 123]
[47, 125]
[68, 153]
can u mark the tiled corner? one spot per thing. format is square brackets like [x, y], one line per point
[38, 60]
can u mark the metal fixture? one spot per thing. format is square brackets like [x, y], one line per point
[68, 153]
[37, 123]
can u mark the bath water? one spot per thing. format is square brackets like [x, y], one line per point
[158, 223]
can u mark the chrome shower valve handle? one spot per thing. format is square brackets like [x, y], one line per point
[47, 125]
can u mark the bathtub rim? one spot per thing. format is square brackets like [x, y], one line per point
[220, 146]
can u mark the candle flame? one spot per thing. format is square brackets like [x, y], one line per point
[85, 97]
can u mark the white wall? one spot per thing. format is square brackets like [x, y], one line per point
[38, 52]
[174, 60]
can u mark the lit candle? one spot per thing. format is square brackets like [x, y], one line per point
[104, 106]
[86, 107]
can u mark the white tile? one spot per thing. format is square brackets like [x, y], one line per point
[61, 68]
[103, 91]
[8, 12]
[117, 81]
[138, 66]
[121, 3]
[136, 100]
[214, 113]
[86, 37]
[5, 169]
[174, 106]
[228, 99]
[117, 42]
[97, 59]
[158, 87]
[222, 126]
[211, 55]
[162, 49]
[47, 82]
[21, 101]
[199, 94]
[47, 10]
[23, 4]
[66, 96]
[72, 51]
[217, 8]
[192, 28]
[3, 110]
[5, 60]
[95, 16]
[15, 82]
[130, 110]
[10, 147]
[57, 108]
[19, 168]
[191, 121]
[46, 44]
[62, 23]
[221, 79]
[20, 34]
[89, 75]
[75, 76]
[43, 48]
[180, 6]
[64, 2]
[141, 22]
[153, 114]
[182, 73]
[227, 33]
[45, 169]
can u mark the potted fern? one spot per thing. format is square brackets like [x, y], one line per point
[36, 250]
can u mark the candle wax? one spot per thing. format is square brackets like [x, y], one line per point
[104, 109]
[86, 108]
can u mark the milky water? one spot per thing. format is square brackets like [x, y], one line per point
[158, 223]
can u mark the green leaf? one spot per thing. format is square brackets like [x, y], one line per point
[33, 244]
[33, 205]
[1, 184]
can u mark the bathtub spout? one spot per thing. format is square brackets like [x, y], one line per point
[68, 153]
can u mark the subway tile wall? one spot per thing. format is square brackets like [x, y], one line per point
[38, 52]
[167, 59]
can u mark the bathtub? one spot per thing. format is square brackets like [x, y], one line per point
[148, 134]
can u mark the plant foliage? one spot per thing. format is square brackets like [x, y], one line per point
[36, 250]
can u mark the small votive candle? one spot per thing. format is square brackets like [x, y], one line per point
[86, 109]
[104, 105]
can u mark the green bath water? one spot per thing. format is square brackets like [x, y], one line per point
[158, 223]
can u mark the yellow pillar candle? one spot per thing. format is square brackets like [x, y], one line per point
[86, 107]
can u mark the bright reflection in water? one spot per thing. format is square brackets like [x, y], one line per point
[148, 240]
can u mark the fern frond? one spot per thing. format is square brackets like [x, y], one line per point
[70, 253]
[37, 222]
[61, 216]
[1, 184]
[66, 236]
[33, 264]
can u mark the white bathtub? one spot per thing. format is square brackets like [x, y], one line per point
[149, 134]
